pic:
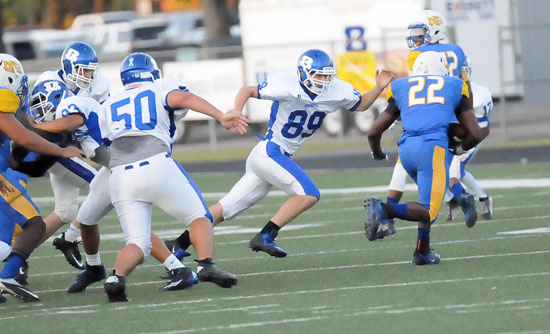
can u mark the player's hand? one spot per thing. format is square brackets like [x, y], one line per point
[72, 152]
[4, 188]
[382, 155]
[383, 78]
[234, 122]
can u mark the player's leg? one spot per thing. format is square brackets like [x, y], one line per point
[485, 201]
[17, 206]
[273, 166]
[169, 193]
[465, 200]
[395, 192]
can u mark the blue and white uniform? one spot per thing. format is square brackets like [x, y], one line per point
[139, 122]
[483, 104]
[68, 176]
[295, 115]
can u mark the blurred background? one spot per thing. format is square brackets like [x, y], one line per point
[216, 46]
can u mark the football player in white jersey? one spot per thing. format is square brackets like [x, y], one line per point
[298, 109]
[79, 116]
[138, 123]
[79, 71]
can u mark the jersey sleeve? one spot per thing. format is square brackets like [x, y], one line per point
[103, 88]
[69, 106]
[9, 101]
[273, 89]
[465, 90]
[352, 98]
[389, 94]
[166, 86]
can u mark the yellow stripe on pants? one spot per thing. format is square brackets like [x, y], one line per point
[439, 181]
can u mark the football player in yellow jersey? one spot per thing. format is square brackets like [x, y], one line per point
[427, 102]
[17, 207]
[425, 34]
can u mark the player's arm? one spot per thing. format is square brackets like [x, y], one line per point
[242, 96]
[32, 141]
[467, 119]
[179, 99]
[64, 124]
[382, 123]
[383, 79]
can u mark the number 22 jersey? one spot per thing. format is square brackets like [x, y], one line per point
[295, 115]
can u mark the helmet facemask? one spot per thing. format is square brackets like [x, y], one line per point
[419, 34]
[82, 75]
[43, 105]
[319, 81]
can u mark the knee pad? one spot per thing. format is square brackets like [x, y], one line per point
[30, 237]
[67, 213]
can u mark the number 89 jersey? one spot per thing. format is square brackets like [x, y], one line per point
[140, 111]
[294, 115]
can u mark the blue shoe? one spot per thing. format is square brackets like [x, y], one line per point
[375, 215]
[385, 229]
[174, 247]
[430, 258]
[265, 242]
[468, 206]
[180, 279]
[89, 276]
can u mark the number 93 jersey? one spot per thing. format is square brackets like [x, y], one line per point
[88, 134]
[294, 115]
[140, 111]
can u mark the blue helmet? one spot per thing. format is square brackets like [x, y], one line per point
[46, 96]
[138, 68]
[316, 71]
[79, 64]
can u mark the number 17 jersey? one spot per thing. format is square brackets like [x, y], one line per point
[295, 115]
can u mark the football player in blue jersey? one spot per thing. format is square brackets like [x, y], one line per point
[298, 110]
[17, 209]
[425, 34]
[80, 73]
[427, 102]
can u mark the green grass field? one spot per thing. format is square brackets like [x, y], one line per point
[493, 278]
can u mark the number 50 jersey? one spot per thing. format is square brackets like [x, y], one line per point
[140, 111]
[295, 115]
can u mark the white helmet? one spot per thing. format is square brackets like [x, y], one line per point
[430, 62]
[12, 76]
[430, 27]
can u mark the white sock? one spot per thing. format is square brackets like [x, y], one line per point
[72, 233]
[472, 185]
[172, 263]
[448, 196]
[93, 259]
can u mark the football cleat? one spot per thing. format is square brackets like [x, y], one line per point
[180, 278]
[115, 288]
[2, 299]
[23, 274]
[486, 207]
[467, 203]
[452, 209]
[375, 214]
[420, 260]
[12, 287]
[386, 228]
[90, 275]
[265, 242]
[70, 250]
[207, 272]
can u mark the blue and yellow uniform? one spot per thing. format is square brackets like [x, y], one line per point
[16, 207]
[454, 54]
[426, 105]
